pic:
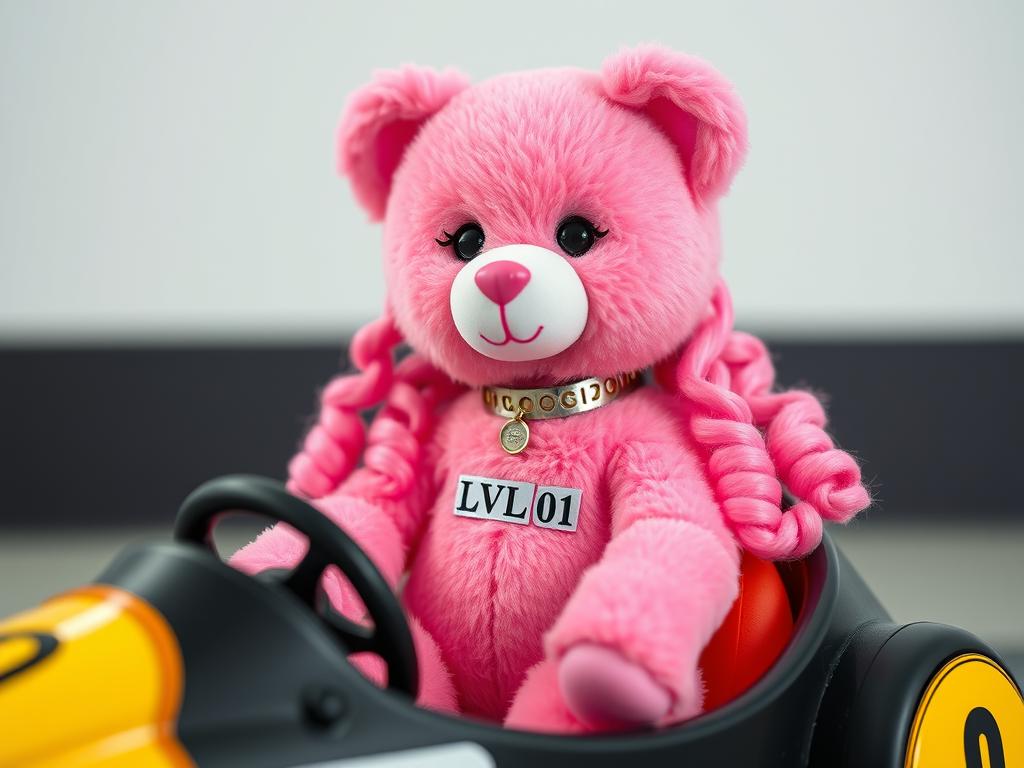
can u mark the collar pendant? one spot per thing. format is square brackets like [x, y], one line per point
[551, 403]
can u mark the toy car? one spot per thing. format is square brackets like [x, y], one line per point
[174, 658]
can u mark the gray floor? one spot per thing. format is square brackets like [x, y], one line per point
[970, 576]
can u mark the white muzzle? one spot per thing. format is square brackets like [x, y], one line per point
[519, 302]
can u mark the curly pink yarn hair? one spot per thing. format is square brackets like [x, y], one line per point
[391, 448]
[755, 440]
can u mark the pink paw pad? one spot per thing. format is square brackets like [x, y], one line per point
[604, 689]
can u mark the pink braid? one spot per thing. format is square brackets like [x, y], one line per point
[333, 447]
[726, 377]
[399, 431]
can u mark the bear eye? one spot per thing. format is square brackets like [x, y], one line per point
[467, 241]
[576, 235]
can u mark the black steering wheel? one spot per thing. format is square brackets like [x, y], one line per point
[389, 637]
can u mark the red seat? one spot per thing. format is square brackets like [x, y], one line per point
[752, 637]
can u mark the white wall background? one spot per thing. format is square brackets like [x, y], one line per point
[166, 168]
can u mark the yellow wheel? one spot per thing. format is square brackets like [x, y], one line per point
[971, 714]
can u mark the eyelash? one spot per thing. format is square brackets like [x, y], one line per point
[449, 238]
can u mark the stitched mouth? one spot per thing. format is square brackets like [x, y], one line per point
[509, 336]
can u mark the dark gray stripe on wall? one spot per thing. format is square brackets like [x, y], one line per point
[119, 435]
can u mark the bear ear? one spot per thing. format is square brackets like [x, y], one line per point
[692, 103]
[379, 121]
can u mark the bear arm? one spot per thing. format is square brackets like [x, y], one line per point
[662, 480]
[668, 576]
[383, 527]
[658, 594]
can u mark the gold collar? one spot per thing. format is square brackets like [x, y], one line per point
[518, 405]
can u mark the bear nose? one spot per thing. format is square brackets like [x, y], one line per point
[502, 281]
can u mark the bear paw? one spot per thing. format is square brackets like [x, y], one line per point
[605, 690]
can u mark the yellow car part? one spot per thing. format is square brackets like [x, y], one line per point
[971, 714]
[91, 678]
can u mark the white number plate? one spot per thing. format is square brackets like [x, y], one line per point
[511, 501]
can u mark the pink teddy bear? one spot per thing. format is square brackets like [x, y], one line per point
[571, 534]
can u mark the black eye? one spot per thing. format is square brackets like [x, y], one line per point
[576, 235]
[467, 241]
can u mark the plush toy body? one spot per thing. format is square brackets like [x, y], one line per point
[489, 590]
[548, 232]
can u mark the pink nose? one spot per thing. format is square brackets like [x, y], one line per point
[502, 281]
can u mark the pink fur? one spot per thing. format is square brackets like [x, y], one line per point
[436, 689]
[511, 583]
[618, 604]
[540, 706]
[381, 119]
[695, 106]
[673, 478]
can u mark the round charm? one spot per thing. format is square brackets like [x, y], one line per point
[514, 435]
